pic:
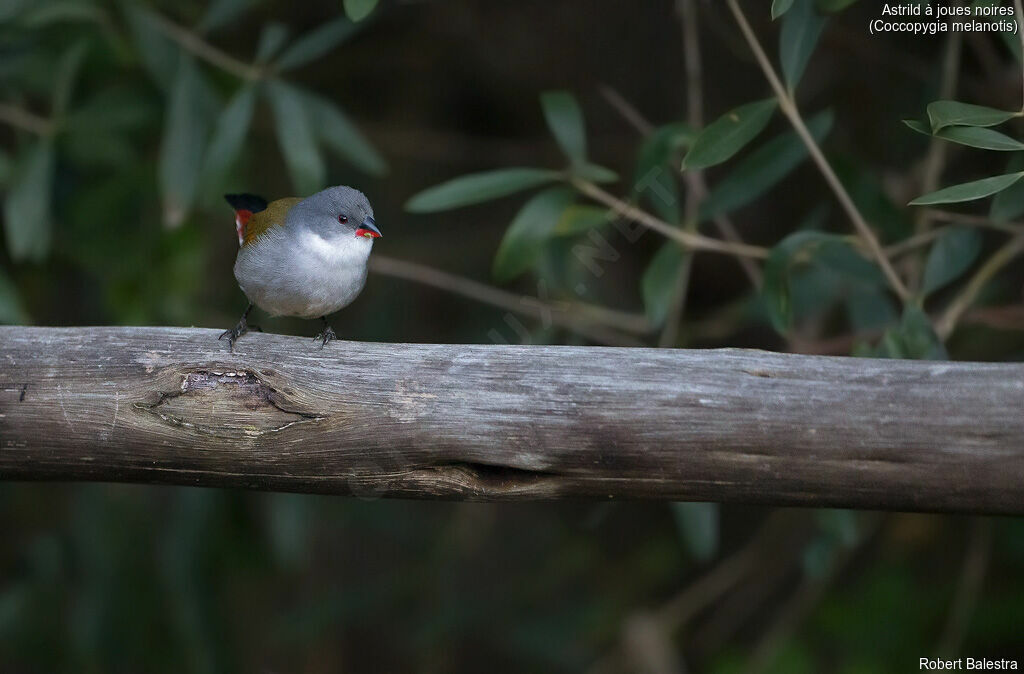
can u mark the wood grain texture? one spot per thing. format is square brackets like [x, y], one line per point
[481, 422]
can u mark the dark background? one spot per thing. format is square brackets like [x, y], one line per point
[102, 578]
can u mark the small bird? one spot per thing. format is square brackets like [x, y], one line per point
[302, 257]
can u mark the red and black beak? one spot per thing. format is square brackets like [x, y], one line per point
[369, 229]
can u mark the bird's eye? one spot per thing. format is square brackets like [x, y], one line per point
[343, 219]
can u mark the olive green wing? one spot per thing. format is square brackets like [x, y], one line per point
[272, 216]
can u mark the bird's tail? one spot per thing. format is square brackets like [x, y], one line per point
[245, 205]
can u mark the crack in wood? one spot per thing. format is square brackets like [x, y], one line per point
[468, 480]
[218, 394]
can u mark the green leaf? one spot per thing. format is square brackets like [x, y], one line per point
[658, 151]
[951, 255]
[655, 174]
[913, 338]
[342, 136]
[839, 525]
[222, 12]
[869, 309]
[477, 187]
[780, 7]
[698, 526]
[1009, 203]
[776, 287]
[272, 39]
[817, 559]
[986, 139]
[183, 144]
[297, 137]
[67, 73]
[661, 279]
[112, 109]
[919, 338]
[973, 136]
[801, 29]
[11, 310]
[357, 10]
[953, 113]
[316, 43]
[764, 168]
[579, 218]
[290, 528]
[869, 195]
[594, 173]
[839, 257]
[969, 191]
[530, 229]
[159, 55]
[229, 135]
[27, 219]
[565, 119]
[828, 252]
[919, 126]
[728, 134]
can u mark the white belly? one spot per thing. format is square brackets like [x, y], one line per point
[304, 275]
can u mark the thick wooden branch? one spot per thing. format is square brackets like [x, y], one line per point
[170, 405]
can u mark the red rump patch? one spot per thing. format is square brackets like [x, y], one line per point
[241, 220]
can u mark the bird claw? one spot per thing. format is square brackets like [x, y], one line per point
[234, 333]
[243, 327]
[325, 336]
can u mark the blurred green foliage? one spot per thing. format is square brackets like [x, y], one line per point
[122, 123]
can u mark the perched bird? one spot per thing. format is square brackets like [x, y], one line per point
[302, 257]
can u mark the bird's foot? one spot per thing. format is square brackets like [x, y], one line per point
[326, 335]
[243, 327]
[234, 333]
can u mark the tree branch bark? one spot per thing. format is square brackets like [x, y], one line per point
[485, 422]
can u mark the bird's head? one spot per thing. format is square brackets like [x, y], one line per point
[335, 213]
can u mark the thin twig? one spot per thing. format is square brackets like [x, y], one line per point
[702, 592]
[678, 611]
[976, 561]
[729, 233]
[696, 185]
[687, 14]
[789, 108]
[686, 239]
[914, 242]
[935, 161]
[726, 617]
[1002, 257]
[803, 601]
[976, 221]
[924, 238]
[1000, 318]
[586, 320]
[204, 50]
[23, 119]
[624, 108]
